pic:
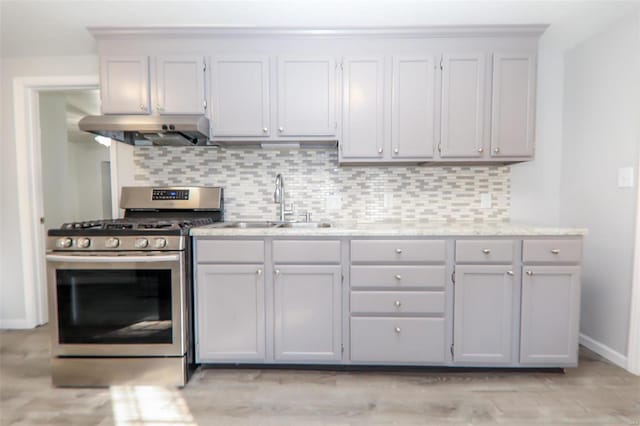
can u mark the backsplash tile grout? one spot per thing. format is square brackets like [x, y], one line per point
[420, 193]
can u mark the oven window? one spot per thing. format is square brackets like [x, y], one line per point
[114, 306]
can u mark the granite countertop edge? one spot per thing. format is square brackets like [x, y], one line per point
[419, 229]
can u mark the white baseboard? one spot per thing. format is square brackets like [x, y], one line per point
[603, 350]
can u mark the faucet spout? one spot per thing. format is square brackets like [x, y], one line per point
[278, 195]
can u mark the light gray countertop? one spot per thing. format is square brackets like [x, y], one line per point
[395, 229]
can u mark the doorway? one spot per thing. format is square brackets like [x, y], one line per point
[76, 177]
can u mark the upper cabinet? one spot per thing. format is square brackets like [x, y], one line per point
[124, 84]
[513, 105]
[177, 83]
[248, 102]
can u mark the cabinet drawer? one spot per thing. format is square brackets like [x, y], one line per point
[552, 251]
[396, 302]
[485, 251]
[397, 276]
[398, 251]
[398, 340]
[230, 251]
[292, 251]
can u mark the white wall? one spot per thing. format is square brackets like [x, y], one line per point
[12, 303]
[601, 134]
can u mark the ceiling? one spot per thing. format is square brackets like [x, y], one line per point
[58, 27]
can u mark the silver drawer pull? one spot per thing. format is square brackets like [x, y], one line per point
[486, 251]
[397, 303]
[398, 277]
[555, 251]
[399, 250]
[529, 273]
[277, 271]
[510, 273]
[259, 272]
[398, 330]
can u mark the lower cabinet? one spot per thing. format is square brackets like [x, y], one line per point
[230, 320]
[307, 313]
[550, 315]
[398, 340]
[484, 316]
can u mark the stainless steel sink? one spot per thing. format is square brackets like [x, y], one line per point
[304, 225]
[251, 225]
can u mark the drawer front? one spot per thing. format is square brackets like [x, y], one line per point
[398, 340]
[485, 251]
[230, 251]
[302, 251]
[397, 302]
[390, 251]
[396, 277]
[552, 251]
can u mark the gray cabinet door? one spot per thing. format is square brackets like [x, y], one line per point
[484, 314]
[513, 105]
[363, 109]
[124, 84]
[179, 85]
[230, 314]
[413, 107]
[550, 315]
[463, 105]
[306, 96]
[307, 313]
[240, 96]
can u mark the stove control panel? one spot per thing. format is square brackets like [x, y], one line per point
[170, 194]
[120, 243]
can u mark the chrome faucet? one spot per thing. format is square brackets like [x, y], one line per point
[278, 196]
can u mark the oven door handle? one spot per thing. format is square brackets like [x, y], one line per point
[113, 259]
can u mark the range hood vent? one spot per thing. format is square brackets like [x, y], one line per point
[161, 130]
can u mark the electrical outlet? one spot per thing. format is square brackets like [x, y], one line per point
[388, 200]
[333, 202]
[485, 201]
[625, 177]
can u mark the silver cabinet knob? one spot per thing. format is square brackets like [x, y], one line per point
[481, 150]
[397, 330]
[555, 251]
[64, 242]
[399, 250]
[529, 273]
[397, 303]
[277, 271]
[395, 151]
[159, 108]
[510, 273]
[83, 242]
[486, 251]
[259, 272]
[281, 129]
[398, 277]
[141, 243]
[265, 130]
[379, 150]
[143, 107]
[496, 150]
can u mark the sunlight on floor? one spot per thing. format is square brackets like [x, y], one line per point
[149, 406]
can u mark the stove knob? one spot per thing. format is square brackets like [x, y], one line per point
[142, 243]
[112, 242]
[64, 242]
[83, 242]
[160, 243]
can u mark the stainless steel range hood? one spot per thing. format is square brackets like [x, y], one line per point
[164, 130]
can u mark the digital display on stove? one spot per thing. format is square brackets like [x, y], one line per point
[170, 194]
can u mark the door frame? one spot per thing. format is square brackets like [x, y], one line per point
[29, 184]
[633, 355]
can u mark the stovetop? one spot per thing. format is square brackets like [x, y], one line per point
[130, 226]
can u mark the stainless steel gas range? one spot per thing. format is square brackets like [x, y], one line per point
[120, 291]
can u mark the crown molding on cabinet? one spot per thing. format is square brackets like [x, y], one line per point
[532, 30]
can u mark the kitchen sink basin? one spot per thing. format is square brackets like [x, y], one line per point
[251, 225]
[304, 225]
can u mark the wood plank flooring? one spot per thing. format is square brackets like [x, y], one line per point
[596, 393]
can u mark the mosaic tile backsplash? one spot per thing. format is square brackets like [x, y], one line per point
[314, 182]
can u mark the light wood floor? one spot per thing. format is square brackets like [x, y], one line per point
[596, 393]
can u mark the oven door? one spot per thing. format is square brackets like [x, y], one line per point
[117, 304]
